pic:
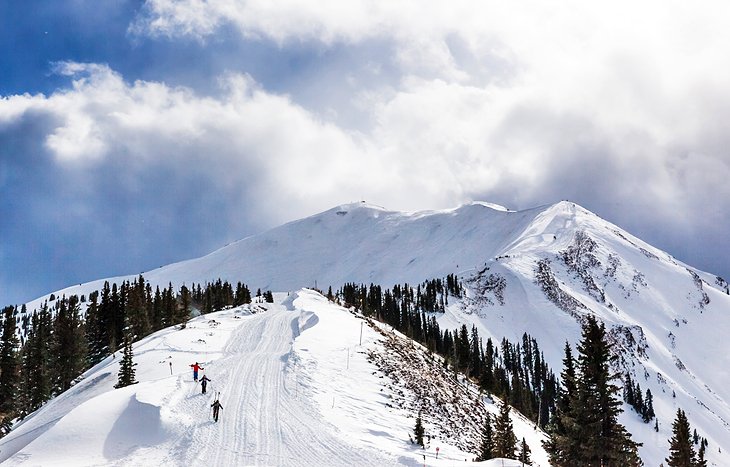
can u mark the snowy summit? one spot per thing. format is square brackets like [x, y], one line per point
[307, 380]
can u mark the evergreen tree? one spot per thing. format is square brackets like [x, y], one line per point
[586, 430]
[505, 441]
[36, 370]
[418, 430]
[648, 413]
[463, 348]
[475, 365]
[639, 402]
[9, 365]
[183, 307]
[701, 461]
[487, 446]
[562, 446]
[486, 380]
[603, 439]
[137, 308]
[524, 454]
[243, 295]
[126, 366]
[96, 339]
[629, 396]
[117, 301]
[681, 452]
[106, 320]
[68, 345]
[170, 310]
[158, 320]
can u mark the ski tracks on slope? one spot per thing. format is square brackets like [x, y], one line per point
[262, 422]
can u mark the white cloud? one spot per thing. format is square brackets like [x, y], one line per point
[433, 142]
[328, 21]
[544, 38]
[12, 107]
[621, 106]
[261, 149]
[614, 105]
[491, 89]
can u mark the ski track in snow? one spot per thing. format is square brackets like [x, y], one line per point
[266, 418]
[261, 422]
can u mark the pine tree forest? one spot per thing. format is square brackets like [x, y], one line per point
[516, 373]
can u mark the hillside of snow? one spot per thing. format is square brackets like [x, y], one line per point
[669, 322]
[539, 271]
[355, 242]
[296, 386]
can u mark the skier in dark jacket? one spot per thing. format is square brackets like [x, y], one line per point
[204, 383]
[216, 407]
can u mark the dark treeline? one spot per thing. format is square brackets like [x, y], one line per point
[643, 404]
[517, 372]
[58, 342]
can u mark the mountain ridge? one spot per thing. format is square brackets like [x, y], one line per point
[208, 267]
[541, 271]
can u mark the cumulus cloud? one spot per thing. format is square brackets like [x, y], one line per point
[446, 141]
[488, 90]
[259, 148]
[525, 101]
[619, 107]
[106, 176]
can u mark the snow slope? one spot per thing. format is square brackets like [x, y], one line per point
[350, 243]
[295, 385]
[538, 271]
[668, 321]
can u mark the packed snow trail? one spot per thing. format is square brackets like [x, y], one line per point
[263, 421]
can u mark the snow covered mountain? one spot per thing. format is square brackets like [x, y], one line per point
[355, 242]
[538, 271]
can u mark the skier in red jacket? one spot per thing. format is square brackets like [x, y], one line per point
[195, 368]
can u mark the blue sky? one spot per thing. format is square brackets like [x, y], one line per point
[138, 133]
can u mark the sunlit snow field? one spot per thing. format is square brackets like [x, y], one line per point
[293, 379]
